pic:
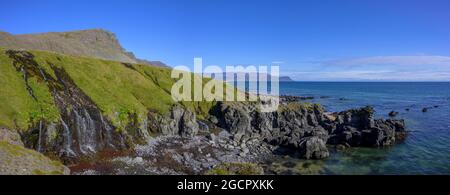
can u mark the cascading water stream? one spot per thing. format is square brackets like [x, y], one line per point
[39, 149]
[67, 140]
[91, 133]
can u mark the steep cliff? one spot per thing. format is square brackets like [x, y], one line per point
[75, 106]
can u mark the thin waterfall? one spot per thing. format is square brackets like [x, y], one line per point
[144, 127]
[67, 140]
[39, 149]
[90, 133]
[79, 128]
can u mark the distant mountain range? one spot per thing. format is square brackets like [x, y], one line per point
[285, 79]
[259, 77]
[95, 43]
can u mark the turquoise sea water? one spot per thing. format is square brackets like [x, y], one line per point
[425, 151]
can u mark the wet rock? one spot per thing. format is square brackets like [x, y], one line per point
[357, 127]
[341, 147]
[393, 113]
[203, 126]
[212, 137]
[213, 119]
[313, 148]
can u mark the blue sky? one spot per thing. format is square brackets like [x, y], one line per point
[334, 40]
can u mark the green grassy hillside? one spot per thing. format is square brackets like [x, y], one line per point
[116, 88]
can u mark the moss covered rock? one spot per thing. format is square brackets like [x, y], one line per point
[17, 160]
[236, 169]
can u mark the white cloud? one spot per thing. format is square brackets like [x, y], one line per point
[377, 68]
[393, 61]
[382, 75]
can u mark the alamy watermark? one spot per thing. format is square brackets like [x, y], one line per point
[236, 83]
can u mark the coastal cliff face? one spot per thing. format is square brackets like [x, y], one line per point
[75, 124]
[62, 110]
[73, 108]
[61, 106]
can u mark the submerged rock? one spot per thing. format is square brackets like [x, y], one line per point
[393, 113]
[292, 98]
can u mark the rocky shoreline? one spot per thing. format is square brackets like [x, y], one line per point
[234, 132]
[238, 133]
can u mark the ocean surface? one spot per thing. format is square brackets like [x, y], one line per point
[426, 149]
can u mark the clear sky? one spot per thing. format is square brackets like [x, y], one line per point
[310, 40]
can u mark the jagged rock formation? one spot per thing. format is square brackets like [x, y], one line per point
[180, 121]
[96, 43]
[307, 128]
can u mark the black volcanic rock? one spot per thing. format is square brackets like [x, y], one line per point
[358, 127]
[306, 128]
[293, 98]
[393, 113]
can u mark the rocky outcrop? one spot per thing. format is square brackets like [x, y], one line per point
[393, 113]
[307, 129]
[358, 127]
[294, 126]
[180, 121]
